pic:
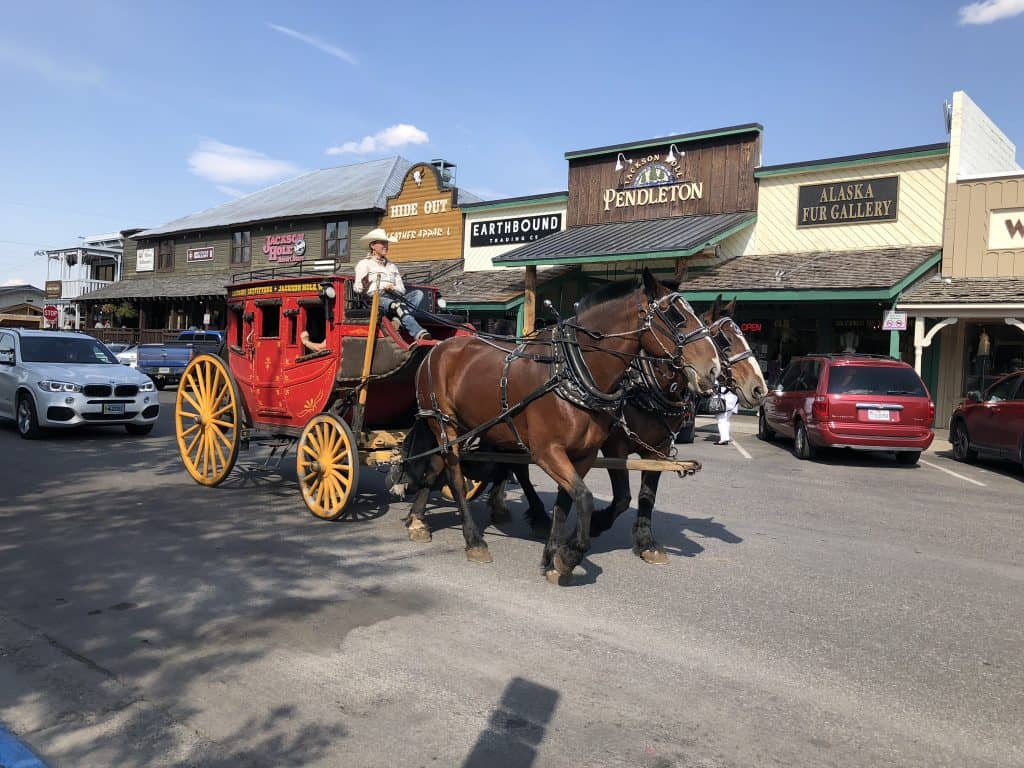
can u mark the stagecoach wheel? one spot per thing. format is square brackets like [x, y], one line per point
[472, 488]
[208, 420]
[327, 466]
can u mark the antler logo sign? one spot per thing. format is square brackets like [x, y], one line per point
[1006, 230]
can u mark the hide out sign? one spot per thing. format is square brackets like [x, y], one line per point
[848, 202]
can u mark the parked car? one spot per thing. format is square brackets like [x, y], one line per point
[129, 356]
[865, 402]
[992, 423]
[117, 347]
[166, 363]
[63, 379]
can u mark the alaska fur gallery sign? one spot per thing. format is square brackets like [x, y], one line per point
[848, 202]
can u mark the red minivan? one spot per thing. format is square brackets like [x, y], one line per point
[866, 402]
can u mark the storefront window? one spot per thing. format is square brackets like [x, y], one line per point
[241, 247]
[336, 240]
[992, 349]
[165, 256]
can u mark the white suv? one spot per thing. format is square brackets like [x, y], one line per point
[66, 379]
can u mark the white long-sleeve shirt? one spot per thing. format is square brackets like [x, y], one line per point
[390, 279]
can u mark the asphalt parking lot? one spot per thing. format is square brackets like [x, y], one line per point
[844, 612]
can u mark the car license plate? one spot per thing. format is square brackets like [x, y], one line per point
[163, 370]
[878, 415]
[113, 409]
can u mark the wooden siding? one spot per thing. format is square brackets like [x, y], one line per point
[424, 236]
[966, 236]
[313, 229]
[922, 185]
[724, 165]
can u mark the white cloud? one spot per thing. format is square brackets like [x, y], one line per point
[225, 164]
[12, 281]
[38, 63]
[990, 11]
[390, 138]
[331, 50]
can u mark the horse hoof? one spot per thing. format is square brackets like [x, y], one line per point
[419, 533]
[654, 557]
[479, 554]
[558, 579]
[560, 565]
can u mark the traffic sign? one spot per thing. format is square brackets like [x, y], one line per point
[51, 313]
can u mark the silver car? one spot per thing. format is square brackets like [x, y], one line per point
[65, 379]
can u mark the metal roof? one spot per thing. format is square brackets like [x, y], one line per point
[621, 241]
[359, 187]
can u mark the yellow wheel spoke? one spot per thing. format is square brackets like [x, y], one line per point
[223, 424]
[223, 459]
[222, 410]
[186, 395]
[188, 415]
[228, 442]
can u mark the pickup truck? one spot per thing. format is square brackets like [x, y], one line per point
[165, 363]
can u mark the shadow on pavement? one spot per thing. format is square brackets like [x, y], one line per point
[516, 727]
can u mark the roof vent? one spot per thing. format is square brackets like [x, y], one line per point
[446, 171]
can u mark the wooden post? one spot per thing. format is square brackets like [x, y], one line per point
[371, 344]
[530, 301]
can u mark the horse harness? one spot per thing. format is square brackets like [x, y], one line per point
[571, 378]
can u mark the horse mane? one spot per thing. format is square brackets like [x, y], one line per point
[605, 293]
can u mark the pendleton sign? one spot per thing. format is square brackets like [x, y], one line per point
[848, 202]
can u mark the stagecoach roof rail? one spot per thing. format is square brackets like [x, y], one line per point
[301, 269]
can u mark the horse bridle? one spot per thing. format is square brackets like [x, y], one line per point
[716, 330]
[656, 311]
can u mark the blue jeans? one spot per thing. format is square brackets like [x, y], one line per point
[392, 308]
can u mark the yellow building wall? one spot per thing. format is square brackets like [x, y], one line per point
[922, 189]
[965, 245]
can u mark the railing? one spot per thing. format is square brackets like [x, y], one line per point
[131, 335]
[73, 289]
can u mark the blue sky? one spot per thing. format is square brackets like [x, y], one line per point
[123, 115]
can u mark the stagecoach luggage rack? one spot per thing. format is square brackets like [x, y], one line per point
[299, 269]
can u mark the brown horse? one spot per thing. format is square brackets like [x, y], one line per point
[653, 416]
[562, 389]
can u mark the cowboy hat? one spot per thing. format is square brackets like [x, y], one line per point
[376, 234]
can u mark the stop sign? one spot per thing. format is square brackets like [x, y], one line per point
[51, 313]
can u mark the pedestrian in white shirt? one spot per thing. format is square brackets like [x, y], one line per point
[377, 265]
[732, 405]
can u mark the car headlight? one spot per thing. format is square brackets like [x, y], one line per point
[48, 385]
[147, 387]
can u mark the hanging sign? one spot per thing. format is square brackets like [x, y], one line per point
[200, 254]
[285, 248]
[848, 202]
[1006, 230]
[144, 259]
[894, 321]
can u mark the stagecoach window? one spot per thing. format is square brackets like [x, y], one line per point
[336, 241]
[241, 247]
[236, 321]
[270, 321]
[315, 321]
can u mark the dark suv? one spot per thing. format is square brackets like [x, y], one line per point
[865, 402]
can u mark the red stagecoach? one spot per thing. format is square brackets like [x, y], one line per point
[296, 369]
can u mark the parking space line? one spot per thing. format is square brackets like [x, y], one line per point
[951, 472]
[742, 450]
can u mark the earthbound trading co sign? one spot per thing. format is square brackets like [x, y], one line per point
[522, 229]
[848, 202]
